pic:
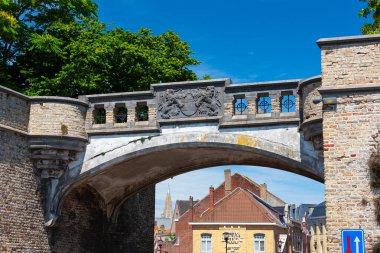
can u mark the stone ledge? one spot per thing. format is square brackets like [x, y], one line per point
[123, 130]
[262, 122]
[189, 120]
[57, 142]
[309, 80]
[12, 129]
[311, 128]
[49, 99]
[350, 88]
[14, 93]
[118, 95]
[348, 40]
[269, 84]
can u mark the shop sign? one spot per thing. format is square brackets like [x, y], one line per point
[234, 241]
[281, 242]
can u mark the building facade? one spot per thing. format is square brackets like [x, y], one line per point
[317, 227]
[244, 210]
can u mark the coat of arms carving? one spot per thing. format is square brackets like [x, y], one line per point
[198, 102]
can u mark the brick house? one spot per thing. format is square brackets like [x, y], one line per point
[239, 206]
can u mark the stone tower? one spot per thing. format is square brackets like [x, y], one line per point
[168, 210]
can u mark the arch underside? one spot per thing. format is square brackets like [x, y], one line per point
[126, 174]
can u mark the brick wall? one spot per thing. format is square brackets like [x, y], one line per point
[21, 214]
[357, 63]
[348, 134]
[84, 227]
[54, 118]
[14, 110]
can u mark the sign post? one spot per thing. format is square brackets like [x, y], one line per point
[353, 241]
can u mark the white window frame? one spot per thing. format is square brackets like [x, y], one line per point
[206, 238]
[260, 239]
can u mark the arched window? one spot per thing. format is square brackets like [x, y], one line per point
[240, 105]
[121, 115]
[259, 243]
[288, 102]
[206, 243]
[142, 111]
[264, 104]
[100, 116]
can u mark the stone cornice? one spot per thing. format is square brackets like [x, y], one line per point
[259, 122]
[315, 120]
[348, 40]
[119, 94]
[309, 80]
[66, 100]
[270, 84]
[133, 130]
[14, 93]
[12, 129]
[189, 120]
[350, 88]
[43, 99]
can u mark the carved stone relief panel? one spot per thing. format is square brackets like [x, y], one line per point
[190, 102]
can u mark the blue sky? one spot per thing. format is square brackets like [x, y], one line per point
[247, 41]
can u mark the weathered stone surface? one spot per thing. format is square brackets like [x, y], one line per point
[21, 211]
[58, 119]
[14, 109]
[196, 102]
[190, 125]
[349, 129]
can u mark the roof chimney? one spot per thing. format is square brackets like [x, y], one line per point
[191, 209]
[227, 181]
[263, 191]
[211, 190]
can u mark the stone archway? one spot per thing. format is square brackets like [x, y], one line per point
[126, 169]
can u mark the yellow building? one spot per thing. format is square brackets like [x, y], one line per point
[257, 238]
[252, 225]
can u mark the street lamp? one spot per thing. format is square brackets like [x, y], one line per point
[226, 236]
[160, 243]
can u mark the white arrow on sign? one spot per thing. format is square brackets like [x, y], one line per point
[356, 241]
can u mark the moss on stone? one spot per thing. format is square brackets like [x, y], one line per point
[374, 165]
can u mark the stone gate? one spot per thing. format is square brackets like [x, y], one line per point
[77, 175]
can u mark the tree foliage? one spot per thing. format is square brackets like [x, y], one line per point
[373, 11]
[58, 47]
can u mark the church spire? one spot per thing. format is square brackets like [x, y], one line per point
[168, 211]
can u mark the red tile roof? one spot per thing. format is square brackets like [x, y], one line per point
[240, 206]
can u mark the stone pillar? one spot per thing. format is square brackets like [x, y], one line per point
[275, 104]
[252, 104]
[297, 101]
[152, 112]
[89, 117]
[131, 113]
[350, 74]
[228, 107]
[110, 115]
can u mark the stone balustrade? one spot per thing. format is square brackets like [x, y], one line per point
[218, 100]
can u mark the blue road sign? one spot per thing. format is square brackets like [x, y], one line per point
[353, 241]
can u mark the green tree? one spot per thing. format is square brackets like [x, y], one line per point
[58, 47]
[373, 11]
[26, 25]
[101, 61]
